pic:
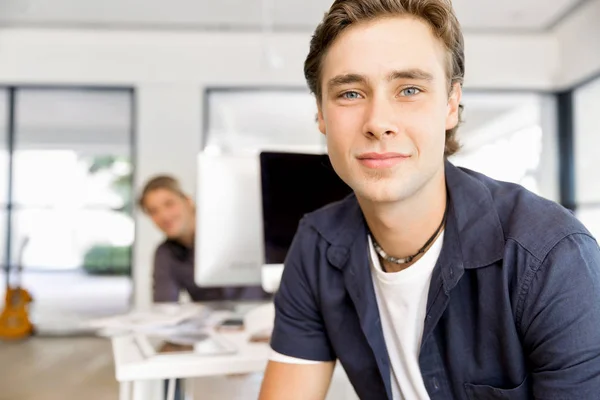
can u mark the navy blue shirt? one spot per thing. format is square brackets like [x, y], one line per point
[174, 272]
[513, 309]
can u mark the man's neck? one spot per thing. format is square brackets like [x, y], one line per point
[402, 228]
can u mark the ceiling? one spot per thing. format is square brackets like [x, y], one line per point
[286, 15]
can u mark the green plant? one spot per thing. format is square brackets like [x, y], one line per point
[108, 260]
[120, 168]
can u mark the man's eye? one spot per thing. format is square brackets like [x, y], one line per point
[351, 95]
[411, 91]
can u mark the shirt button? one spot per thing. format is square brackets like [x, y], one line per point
[435, 384]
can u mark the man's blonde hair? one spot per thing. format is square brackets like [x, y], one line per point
[438, 14]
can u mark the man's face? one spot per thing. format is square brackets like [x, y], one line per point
[385, 107]
[172, 213]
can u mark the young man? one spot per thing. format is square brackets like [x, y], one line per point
[430, 281]
[173, 212]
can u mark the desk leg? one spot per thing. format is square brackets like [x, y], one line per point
[171, 389]
[188, 389]
[125, 390]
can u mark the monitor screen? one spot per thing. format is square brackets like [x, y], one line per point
[293, 185]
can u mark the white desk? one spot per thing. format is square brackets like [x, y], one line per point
[132, 366]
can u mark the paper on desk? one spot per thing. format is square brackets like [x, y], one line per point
[163, 319]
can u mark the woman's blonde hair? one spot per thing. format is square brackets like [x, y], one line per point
[160, 182]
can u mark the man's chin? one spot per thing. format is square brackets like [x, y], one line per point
[382, 192]
[373, 196]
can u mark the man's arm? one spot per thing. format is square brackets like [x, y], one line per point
[296, 381]
[164, 287]
[560, 321]
[299, 332]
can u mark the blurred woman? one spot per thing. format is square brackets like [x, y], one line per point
[174, 213]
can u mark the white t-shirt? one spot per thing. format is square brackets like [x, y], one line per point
[402, 301]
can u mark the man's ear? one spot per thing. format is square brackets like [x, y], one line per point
[452, 118]
[320, 119]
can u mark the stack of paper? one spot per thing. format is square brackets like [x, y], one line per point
[161, 319]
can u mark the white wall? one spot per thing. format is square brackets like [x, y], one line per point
[111, 57]
[579, 45]
[511, 61]
[168, 136]
[170, 70]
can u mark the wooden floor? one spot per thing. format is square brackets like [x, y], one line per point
[57, 369]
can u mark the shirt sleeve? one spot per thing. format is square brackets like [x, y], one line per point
[164, 286]
[560, 323]
[299, 330]
[278, 357]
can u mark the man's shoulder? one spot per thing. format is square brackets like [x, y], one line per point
[327, 233]
[537, 224]
[329, 221]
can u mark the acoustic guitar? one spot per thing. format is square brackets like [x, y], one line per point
[14, 320]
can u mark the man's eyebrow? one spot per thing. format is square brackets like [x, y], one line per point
[345, 79]
[413, 74]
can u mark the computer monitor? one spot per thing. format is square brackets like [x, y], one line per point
[229, 244]
[248, 209]
[293, 185]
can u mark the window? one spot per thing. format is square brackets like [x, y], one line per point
[587, 164]
[261, 119]
[72, 177]
[71, 197]
[505, 137]
[4, 175]
[590, 216]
